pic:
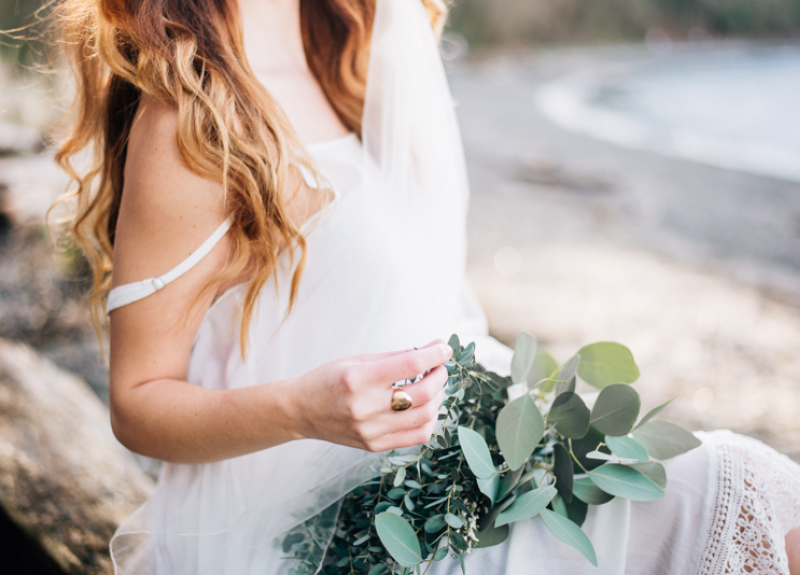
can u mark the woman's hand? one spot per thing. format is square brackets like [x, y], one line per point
[348, 401]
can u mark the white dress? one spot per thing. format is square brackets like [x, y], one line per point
[386, 271]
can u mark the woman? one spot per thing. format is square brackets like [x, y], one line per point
[280, 187]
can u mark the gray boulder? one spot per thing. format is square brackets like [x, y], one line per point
[65, 481]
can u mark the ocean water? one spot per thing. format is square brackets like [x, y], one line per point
[736, 108]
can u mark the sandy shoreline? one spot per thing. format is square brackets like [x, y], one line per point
[696, 268]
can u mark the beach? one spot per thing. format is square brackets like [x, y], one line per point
[575, 239]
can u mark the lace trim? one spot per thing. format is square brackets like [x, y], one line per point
[756, 502]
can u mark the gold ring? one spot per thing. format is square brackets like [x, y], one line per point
[401, 400]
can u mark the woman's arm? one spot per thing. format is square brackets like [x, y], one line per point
[167, 211]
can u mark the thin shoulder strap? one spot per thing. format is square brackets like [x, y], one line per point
[129, 293]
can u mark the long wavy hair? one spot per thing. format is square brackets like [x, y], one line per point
[190, 54]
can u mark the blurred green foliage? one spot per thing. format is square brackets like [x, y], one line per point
[486, 22]
[18, 20]
[583, 21]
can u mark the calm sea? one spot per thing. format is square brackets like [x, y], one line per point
[732, 108]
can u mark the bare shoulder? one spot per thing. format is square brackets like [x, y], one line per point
[167, 210]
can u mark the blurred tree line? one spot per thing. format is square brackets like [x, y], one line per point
[488, 22]
[583, 21]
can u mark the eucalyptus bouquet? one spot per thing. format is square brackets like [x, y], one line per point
[495, 460]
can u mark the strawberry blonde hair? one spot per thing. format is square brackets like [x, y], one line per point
[190, 54]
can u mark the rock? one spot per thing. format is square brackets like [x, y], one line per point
[64, 479]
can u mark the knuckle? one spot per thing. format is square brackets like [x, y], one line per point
[350, 378]
[415, 364]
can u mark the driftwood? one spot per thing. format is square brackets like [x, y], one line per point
[65, 482]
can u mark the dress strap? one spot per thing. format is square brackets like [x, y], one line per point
[129, 293]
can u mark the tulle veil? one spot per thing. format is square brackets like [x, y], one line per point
[412, 144]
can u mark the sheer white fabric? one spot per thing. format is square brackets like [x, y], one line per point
[386, 271]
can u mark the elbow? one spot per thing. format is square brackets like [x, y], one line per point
[125, 426]
[122, 427]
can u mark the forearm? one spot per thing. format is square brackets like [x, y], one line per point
[176, 421]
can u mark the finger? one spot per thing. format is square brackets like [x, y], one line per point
[428, 387]
[394, 421]
[372, 357]
[409, 364]
[406, 438]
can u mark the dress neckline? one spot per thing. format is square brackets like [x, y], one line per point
[332, 142]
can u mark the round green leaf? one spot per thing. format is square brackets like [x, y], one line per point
[399, 538]
[627, 447]
[607, 362]
[454, 521]
[476, 451]
[492, 536]
[489, 486]
[584, 489]
[615, 410]
[569, 533]
[399, 477]
[527, 505]
[524, 356]
[435, 523]
[653, 412]
[570, 415]
[519, 428]
[566, 375]
[623, 481]
[664, 439]
[543, 367]
[655, 472]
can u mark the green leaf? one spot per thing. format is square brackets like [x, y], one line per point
[615, 410]
[396, 493]
[477, 452]
[605, 363]
[570, 415]
[399, 477]
[519, 428]
[457, 540]
[378, 569]
[569, 533]
[585, 445]
[562, 470]
[509, 482]
[543, 367]
[399, 538]
[455, 345]
[559, 506]
[524, 356]
[454, 521]
[653, 412]
[489, 486]
[435, 523]
[492, 536]
[527, 505]
[664, 439]
[623, 481]
[409, 503]
[487, 520]
[440, 554]
[627, 447]
[655, 472]
[566, 376]
[585, 490]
